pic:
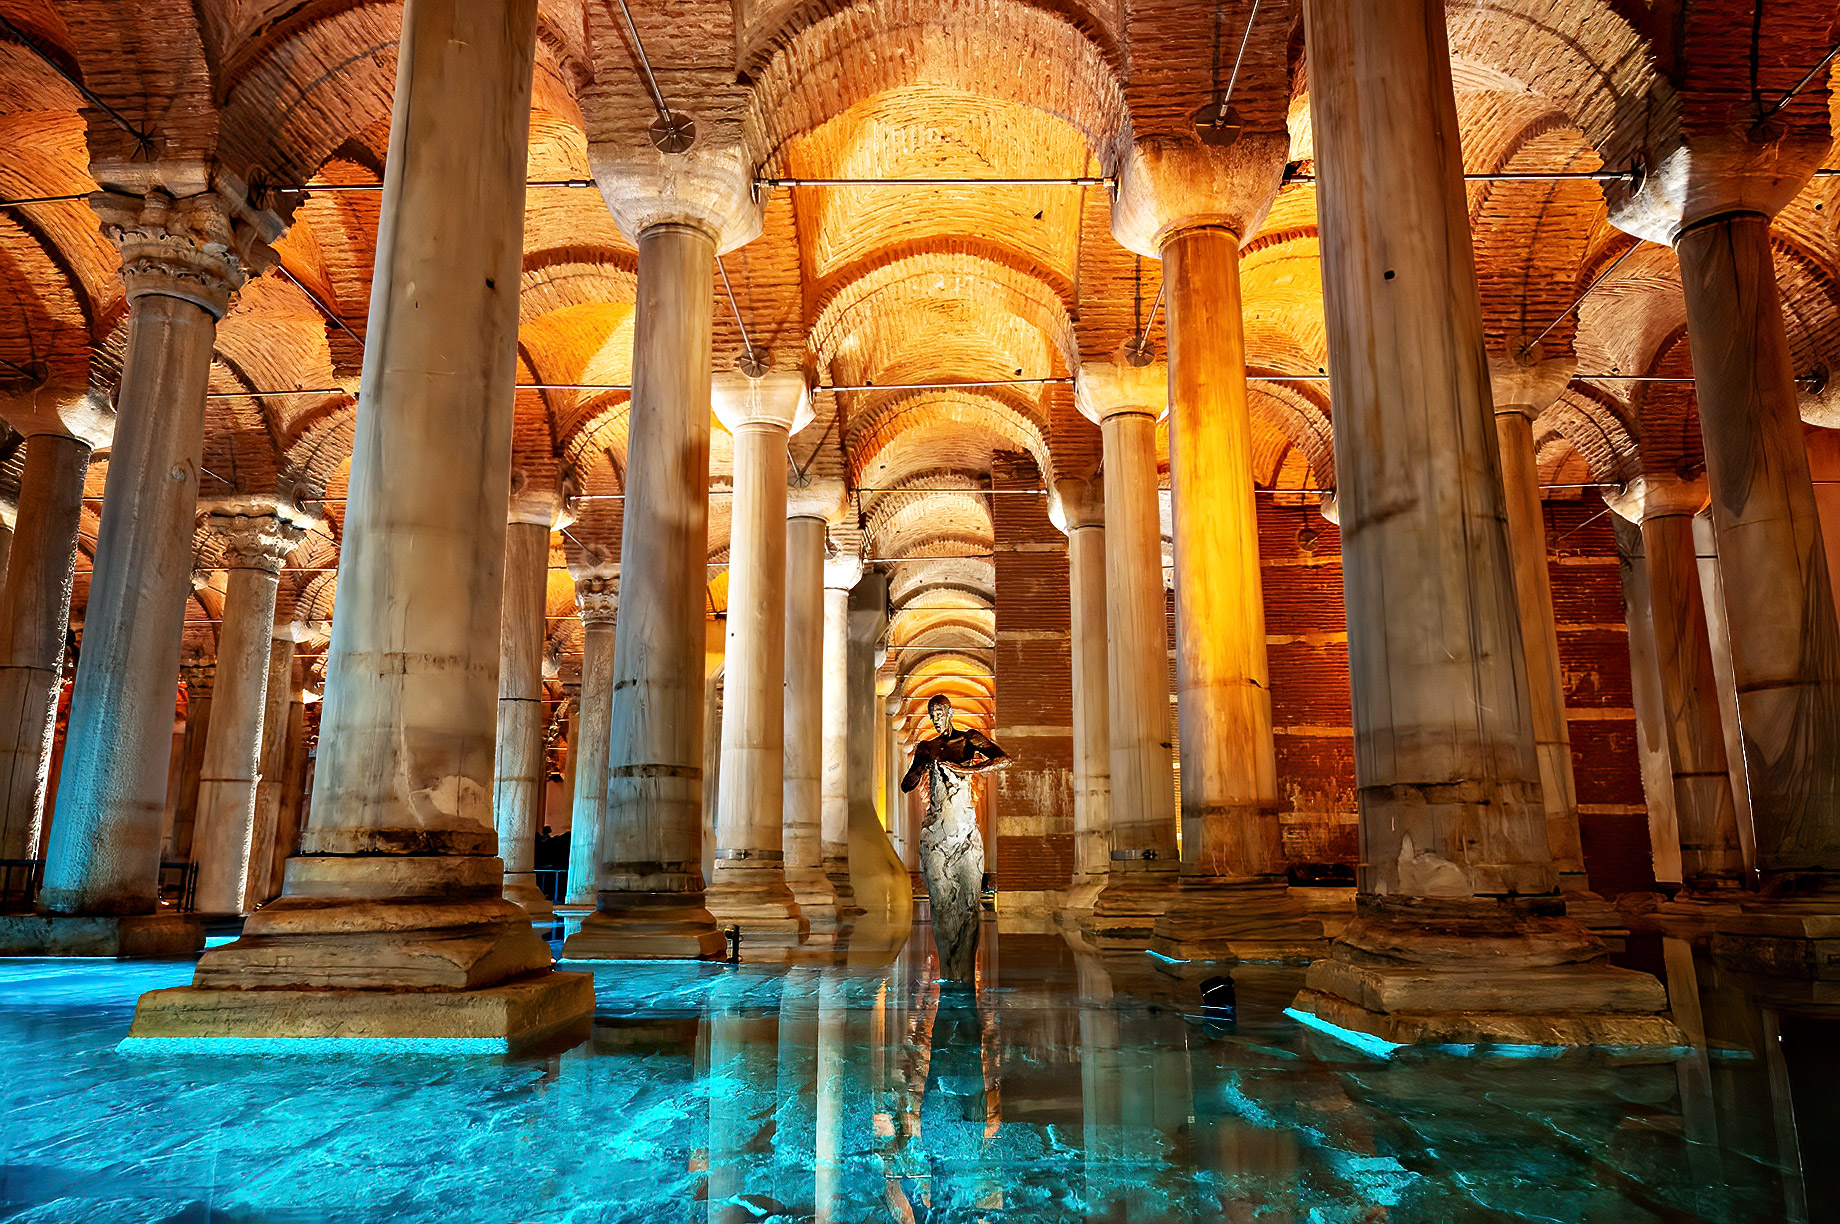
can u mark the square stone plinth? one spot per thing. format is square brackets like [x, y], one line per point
[511, 1016]
[1787, 944]
[132, 936]
[1564, 1005]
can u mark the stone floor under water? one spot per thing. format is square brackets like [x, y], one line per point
[1066, 1088]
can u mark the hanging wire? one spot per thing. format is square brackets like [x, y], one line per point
[753, 366]
[1579, 300]
[1244, 41]
[645, 67]
[143, 142]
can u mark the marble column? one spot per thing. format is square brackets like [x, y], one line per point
[841, 575]
[650, 884]
[60, 431]
[181, 263]
[1718, 629]
[749, 888]
[392, 922]
[287, 789]
[1663, 507]
[520, 770]
[1082, 515]
[597, 602]
[271, 764]
[1125, 401]
[1460, 934]
[258, 535]
[200, 679]
[1521, 393]
[1711, 198]
[809, 511]
[1652, 755]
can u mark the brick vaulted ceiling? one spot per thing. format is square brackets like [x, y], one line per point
[871, 285]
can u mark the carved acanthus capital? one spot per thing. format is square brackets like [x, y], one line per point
[258, 533]
[597, 586]
[190, 248]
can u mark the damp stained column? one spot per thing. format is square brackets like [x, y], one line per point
[392, 922]
[749, 888]
[651, 886]
[809, 512]
[597, 602]
[841, 574]
[1460, 932]
[520, 771]
[1082, 510]
[1706, 819]
[257, 537]
[180, 266]
[60, 429]
[1125, 400]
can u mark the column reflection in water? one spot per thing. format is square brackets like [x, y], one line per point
[795, 1131]
[741, 1083]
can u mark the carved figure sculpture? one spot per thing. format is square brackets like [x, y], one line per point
[951, 850]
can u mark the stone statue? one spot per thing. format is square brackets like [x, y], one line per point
[951, 850]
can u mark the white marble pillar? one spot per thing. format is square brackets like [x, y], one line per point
[520, 767]
[1460, 932]
[271, 764]
[1082, 511]
[180, 266]
[392, 922]
[841, 575]
[258, 535]
[1125, 400]
[60, 431]
[597, 602]
[809, 511]
[749, 886]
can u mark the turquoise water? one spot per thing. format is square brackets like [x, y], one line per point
[1066, 1088]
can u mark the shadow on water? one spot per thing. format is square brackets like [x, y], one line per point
[854, 1086]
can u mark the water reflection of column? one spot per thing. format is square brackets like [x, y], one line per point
[1695, 1070]
[743, 1051]
[1099, 1089]
[795, 1130]
[832, 1064]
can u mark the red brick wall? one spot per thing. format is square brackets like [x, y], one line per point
[1034, 673]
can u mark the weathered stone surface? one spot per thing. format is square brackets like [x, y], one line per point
[952, 864]
[515, 1013]
[140, 936]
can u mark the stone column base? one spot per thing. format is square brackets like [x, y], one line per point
[1248, 921]
[1478, 970]
[1594, 913]
[1124, 914]
[1077, 909]
[129, 937]
[647, 926]
[509, 1016]
[1784, 939]
[837, 870]
[757, 900]
[521, 889]
[811, 888]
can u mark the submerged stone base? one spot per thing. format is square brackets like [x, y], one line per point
[1249, 921]
[1478, 970]
[132, 936]
[1787, 939]
[647, 926]
[1125, 912]
[525, 1012]
[761, 905]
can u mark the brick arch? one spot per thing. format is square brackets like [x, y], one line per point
[1581, 55]
[952, 519]
[970, 45]
[1597, 427]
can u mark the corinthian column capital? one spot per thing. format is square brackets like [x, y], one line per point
[258, 533]
[184, 248]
